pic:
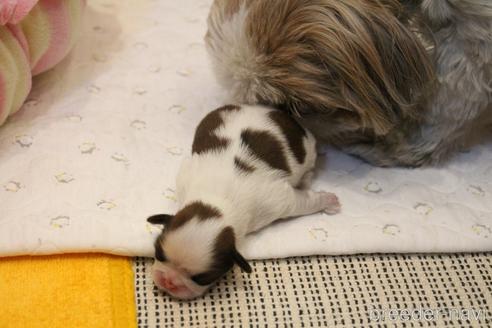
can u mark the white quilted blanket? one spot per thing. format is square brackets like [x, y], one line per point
[96, 148]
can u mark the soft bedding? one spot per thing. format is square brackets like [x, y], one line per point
[34, 37]
[71, 290]
[96, 147]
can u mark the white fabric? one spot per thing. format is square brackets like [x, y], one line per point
[96, 149]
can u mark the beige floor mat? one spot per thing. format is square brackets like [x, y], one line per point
[350, 291]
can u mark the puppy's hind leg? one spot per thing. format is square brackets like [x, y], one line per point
[306, 180]
[304, 202]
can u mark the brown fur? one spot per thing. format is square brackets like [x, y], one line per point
[159, 252]
[222, 259]
[205, 139]
[228, 108]
[242, 166]
[351, 59]
[195, 209]
[265, 147]
[293, 132]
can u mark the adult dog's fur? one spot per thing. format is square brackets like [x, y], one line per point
[394, 82]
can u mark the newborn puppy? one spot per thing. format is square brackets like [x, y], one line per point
[248, 167]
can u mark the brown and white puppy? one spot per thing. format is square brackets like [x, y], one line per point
[396, 82]
[248, 167]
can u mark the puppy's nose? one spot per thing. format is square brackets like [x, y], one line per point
[168, 284]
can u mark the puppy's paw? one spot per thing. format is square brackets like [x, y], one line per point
[331, 203]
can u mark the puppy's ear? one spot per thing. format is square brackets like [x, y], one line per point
[226, 244]
[239, 260]
[159, 219]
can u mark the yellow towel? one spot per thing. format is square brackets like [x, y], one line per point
[79, 290]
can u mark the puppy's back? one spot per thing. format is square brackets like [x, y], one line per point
[255, 140]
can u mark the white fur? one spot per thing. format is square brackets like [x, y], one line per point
[248, 201]
[234, 52]
[196, 232]
[188, 289]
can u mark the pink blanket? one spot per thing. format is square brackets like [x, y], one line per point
[34, 36]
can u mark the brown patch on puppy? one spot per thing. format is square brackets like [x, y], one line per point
[224, 257]
[159, 252]
[266, 147]
[205, 138]
[195, 209]
[293, 131]
[229, 108]
[243, 166]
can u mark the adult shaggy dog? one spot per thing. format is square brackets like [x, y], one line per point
[393, 82]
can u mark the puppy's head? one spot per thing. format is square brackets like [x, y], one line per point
[193, 251]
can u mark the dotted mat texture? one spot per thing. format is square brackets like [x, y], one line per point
[343, 291]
